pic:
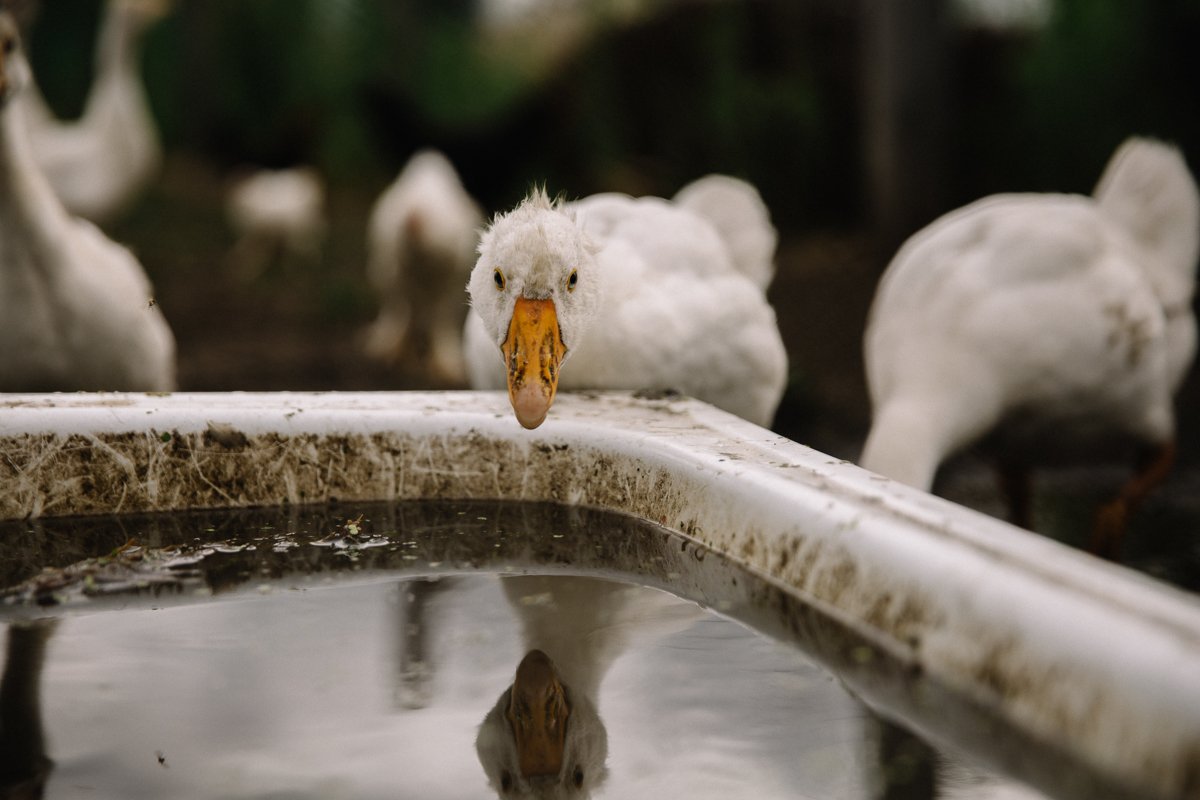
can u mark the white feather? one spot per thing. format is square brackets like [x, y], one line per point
[420, 247]
[276, 213]
[1064, 321]
[660, 301]
[739, 214]
[100, 163]
[78, 311]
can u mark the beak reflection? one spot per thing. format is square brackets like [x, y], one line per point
[538, 714]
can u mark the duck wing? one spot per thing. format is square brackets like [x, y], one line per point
[737, 212]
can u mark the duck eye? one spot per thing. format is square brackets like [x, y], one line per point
[577, 777]
[498, 277]
[572, 280]
[9, 46]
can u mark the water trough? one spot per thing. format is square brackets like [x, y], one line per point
[1097, 664]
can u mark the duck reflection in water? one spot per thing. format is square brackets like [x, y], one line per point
[24, 765]
[544, 737]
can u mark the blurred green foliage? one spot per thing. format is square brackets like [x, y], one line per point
[766, 89]
[1044, 112]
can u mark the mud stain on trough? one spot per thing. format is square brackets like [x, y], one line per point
[220, 466]
[223, 467]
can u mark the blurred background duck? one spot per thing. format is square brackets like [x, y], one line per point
[420, 248]
[629, 293]
[278, 215]
[100, 163]
[78, 311]
[1055, 325]
[544, 737]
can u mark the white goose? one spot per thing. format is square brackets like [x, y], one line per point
[544, 737]
[1058, 323]
[626, 293]
[78, 312]
[420, 247]
[99, 163]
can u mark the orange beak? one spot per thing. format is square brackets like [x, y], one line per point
[538, 714]
[533, 352]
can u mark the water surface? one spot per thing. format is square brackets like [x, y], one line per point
[354, 651]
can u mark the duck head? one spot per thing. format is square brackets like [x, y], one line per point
[535, 287]
[540, 740]
[14, 69]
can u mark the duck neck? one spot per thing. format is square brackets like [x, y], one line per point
[582, 661]
[576, 626]
[29, 209]
[117, 100]
[117, 48]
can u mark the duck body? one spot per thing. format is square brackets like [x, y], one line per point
[420, 248]
[662, 301]
[1055, 326]
[78, 309]
[100, 163]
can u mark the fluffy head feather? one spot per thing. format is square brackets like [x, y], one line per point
[14, 69]
[532, 251]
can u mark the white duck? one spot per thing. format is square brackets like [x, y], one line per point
[626, 293]
[99, 163]
[276, 214]
[420, 248]
[78, 312]
[1058, 322]
[544, 737]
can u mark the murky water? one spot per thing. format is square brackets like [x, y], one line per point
[369, 651]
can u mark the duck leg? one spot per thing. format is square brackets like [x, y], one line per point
[1113, 516]
[414, 672]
